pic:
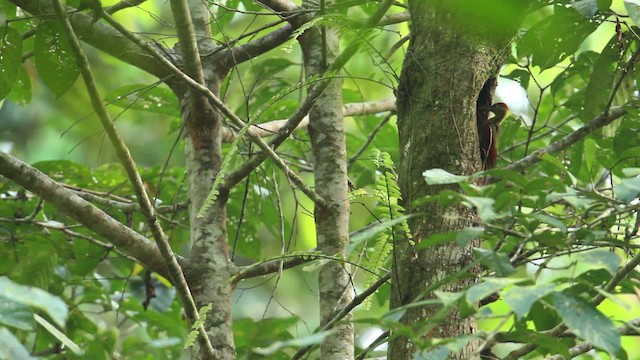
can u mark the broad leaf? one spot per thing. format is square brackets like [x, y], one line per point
[11, 348]
[441, 177]
[53, 57]
[587, 322]
[10, 59]
[497, 262]
[34, 297]
[600, 81]
[521, 298]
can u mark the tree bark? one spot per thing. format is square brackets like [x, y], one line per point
[326, 129]
[447, 63]
[209, 252]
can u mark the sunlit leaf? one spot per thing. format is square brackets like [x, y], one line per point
[64, 339]
[17, 315]
[441, 176]
[484, 207]
[11, 348]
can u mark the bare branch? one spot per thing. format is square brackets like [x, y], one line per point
[259, 46]
[124, 206]
[352, 109]
[123, 4]
[84, 212]
[600, 121]
[270, 267]
[283, 8]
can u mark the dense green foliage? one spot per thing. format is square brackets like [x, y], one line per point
[557, 234]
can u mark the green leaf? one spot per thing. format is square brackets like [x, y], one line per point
[21, 91]
[597, 259]
[489, 286]
[38, 298]
[442, 351]
[550, 344]
[156, 99]
[628, 190]
[587, 8]
[10, 59]
[441, 177]
[521, 298]
[11, 348]
[296, 343]
[53, 57]
[17, 315]
[449, 298]
[549, 42]
[600, 81]
[468, 234]
[484, 207]
[357, 237]
[551, 220]
[604, 5]
[632, 153]
[68, 172]
[587, 322]
[498, 262]
[58, 335]
[633, 9]
[436, 239]
[271, 67]
[251, 334]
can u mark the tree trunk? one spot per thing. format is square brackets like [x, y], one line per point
[209, 254]
[326, 129]
[447, 63]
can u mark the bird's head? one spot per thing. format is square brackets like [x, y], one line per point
[500, 110]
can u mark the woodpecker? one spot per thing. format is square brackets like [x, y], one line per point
[489, 135]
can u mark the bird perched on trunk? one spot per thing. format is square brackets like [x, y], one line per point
[489, 135]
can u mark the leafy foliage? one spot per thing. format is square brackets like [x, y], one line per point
[557, 236]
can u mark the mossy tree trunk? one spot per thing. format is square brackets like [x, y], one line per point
[450, 58]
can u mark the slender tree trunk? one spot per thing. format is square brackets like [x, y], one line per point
[209, 255]
[446, 66]
[326, 128]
